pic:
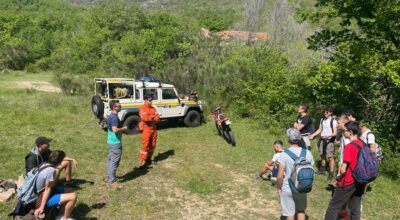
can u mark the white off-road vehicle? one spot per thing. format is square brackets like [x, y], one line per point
[130, 93]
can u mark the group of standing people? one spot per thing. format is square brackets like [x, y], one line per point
[344, 131]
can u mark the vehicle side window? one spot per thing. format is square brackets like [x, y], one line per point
[137, 94]
[152, 92]
[169, 94]
[120, 91]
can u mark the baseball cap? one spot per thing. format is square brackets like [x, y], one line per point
[42, 140]
[293, 134]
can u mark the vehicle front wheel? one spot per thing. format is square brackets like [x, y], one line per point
[192, 118]
[132, 122]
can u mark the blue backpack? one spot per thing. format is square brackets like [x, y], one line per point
[27, 192]
[366, 169]
[302, 177]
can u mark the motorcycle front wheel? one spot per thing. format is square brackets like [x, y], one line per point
[232, 138]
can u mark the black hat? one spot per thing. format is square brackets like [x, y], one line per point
[329, 109]
[149, 96]
[42, 140]
[349, 112]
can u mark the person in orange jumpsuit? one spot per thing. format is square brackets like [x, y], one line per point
[148, 125]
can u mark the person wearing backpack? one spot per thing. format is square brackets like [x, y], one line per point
[47, 195]
[348, 189]
[304, 125]
[369, 138]
[326, 142]
[295, 177]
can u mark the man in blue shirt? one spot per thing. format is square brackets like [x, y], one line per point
[114, 141]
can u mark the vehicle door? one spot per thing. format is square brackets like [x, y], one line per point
[171, 104]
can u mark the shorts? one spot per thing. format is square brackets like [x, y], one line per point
[306, 140]
[326, 148]
[55, 197]
[292, 203]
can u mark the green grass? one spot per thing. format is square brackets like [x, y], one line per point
[198, 175]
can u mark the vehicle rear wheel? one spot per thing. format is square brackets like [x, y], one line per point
[192, 118]
[132, 122]
[97, 107]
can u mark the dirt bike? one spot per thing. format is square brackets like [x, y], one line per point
[223, 126]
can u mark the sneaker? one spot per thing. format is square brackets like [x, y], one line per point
[333, 183]
[257, 177]
[274, 180]
[115, 185]
[321, 171]
[60, 217]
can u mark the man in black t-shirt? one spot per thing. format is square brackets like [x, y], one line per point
[303, 124]
[40, 154]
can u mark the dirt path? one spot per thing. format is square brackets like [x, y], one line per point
[37, 85]
[241, 199]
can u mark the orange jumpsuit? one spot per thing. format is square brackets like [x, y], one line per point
[150, 118]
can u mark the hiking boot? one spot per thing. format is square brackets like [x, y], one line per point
[151, 162]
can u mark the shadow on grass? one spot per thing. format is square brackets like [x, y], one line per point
[137, 172]
[164, 155]
[76, 183]
[82, 209]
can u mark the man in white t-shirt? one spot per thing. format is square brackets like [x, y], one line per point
[271, 165]
[292, 204]
[369, 138]
[326, 142]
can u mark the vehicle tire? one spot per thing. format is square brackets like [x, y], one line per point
[232, 138]
[132, 122]
[192, 119]
[97, 107]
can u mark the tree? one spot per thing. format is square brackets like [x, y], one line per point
[363, 71]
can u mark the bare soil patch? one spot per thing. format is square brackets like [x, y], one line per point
[37, 85]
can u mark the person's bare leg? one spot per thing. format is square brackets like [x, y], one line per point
[68, 170]
[301, 216]
[290, 218]
[331, 165]
[265, 168]
[69, 199]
